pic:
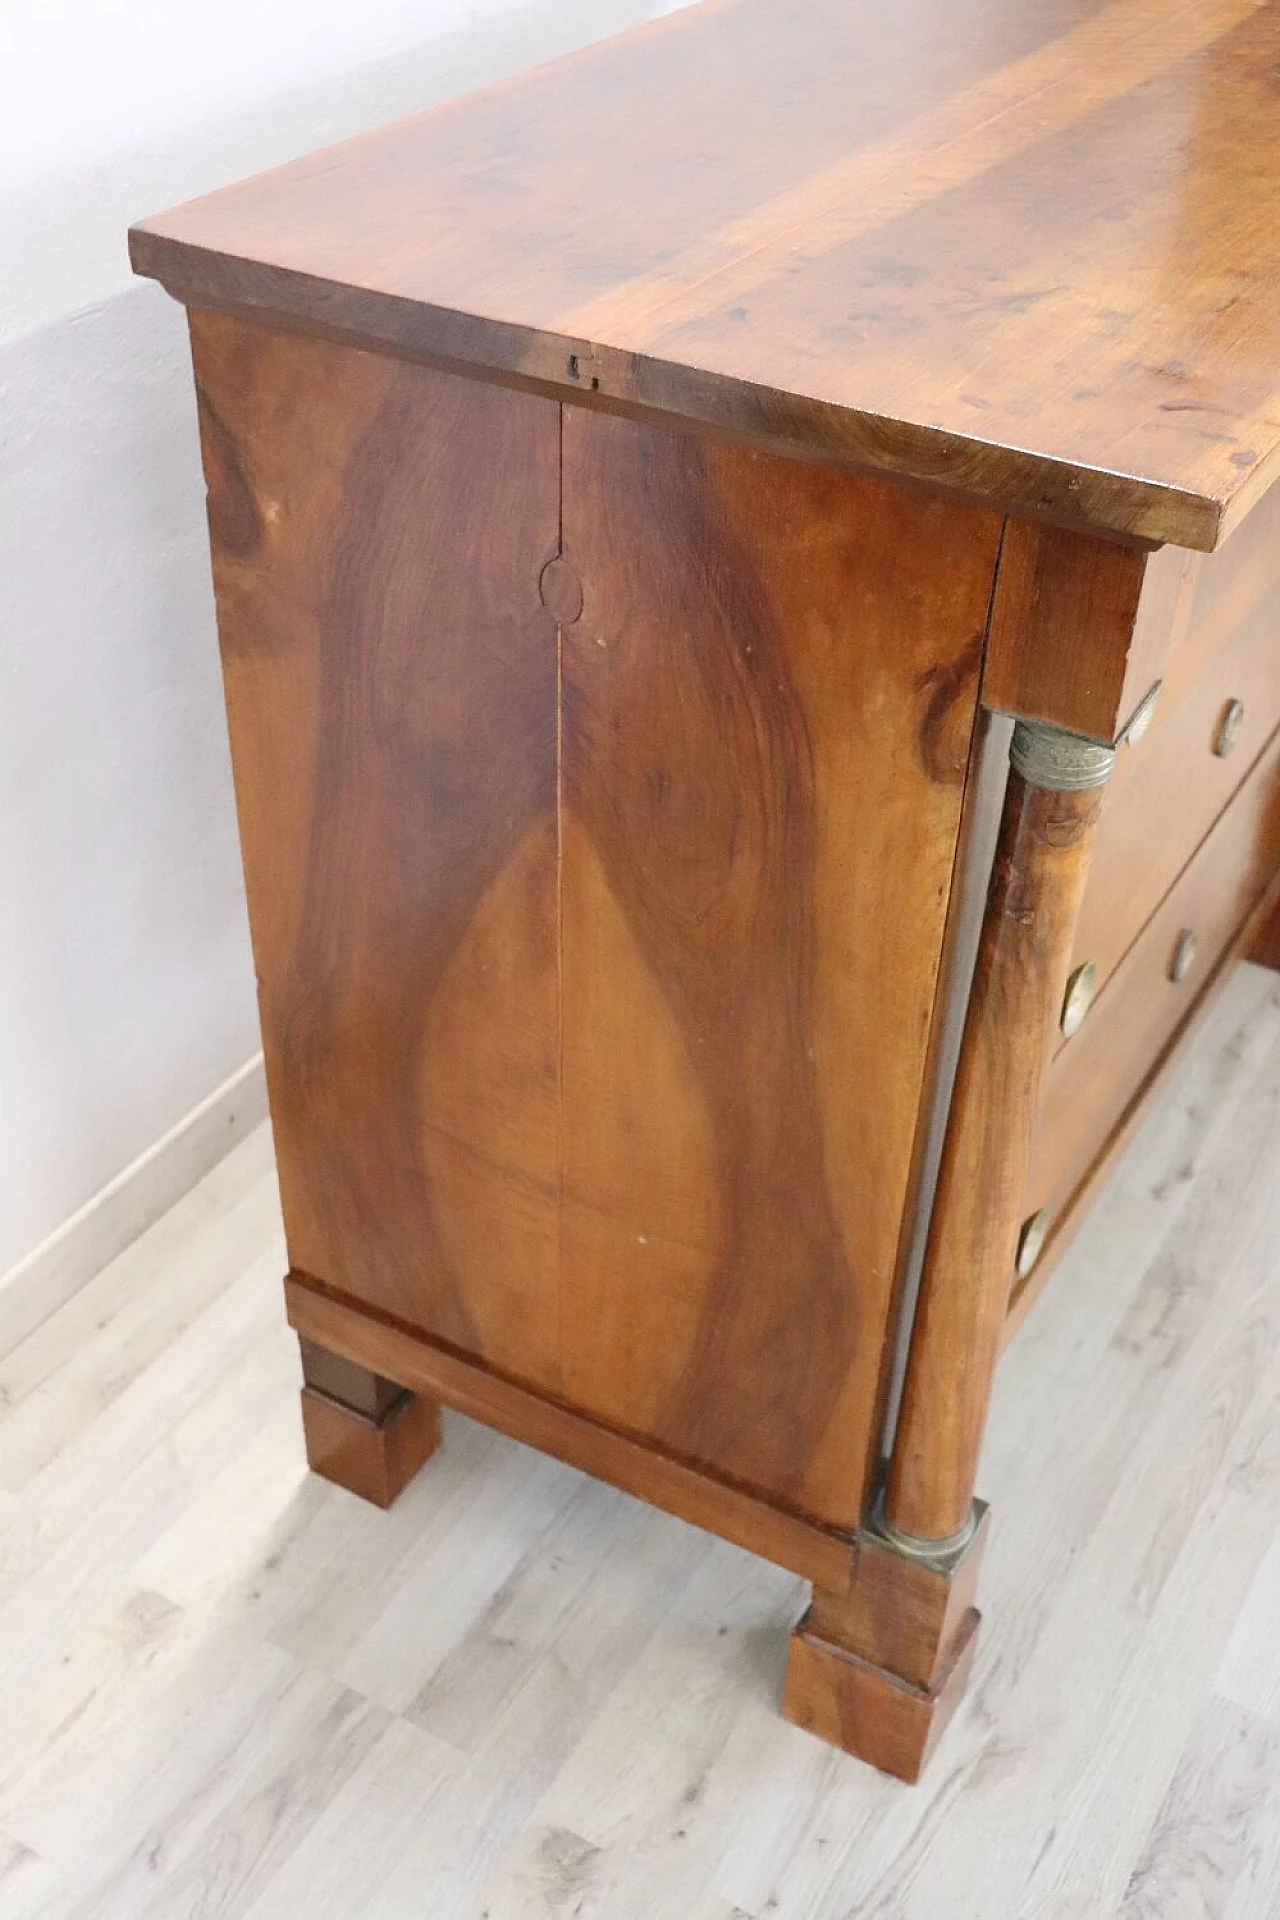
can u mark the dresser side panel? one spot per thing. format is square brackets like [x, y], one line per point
[768, 704]
[378, 531]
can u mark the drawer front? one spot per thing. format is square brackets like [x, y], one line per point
[1218, 708]
[1223, 592]
[1096, 1076]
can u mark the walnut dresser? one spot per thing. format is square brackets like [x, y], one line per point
[748, 572]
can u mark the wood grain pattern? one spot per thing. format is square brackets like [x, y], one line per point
[1021, 250]
[768, 700]
[1229, 591]
[590, 1050]
[1037, 880]
[1197, 1846]
[903, 1616]
[980, 818]
[818, 1553]
[578, 749]
[393, 730]
[1080, 628]
[851, 1704]
[549, 1696]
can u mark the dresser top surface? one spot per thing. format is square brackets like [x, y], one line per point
[1024, 249]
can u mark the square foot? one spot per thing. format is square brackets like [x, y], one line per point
[374, 1458]
[869, 1712]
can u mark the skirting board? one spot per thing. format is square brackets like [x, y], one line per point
[118, 1213]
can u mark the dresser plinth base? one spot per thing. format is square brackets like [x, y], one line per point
[880, 1670]
[373, 1449]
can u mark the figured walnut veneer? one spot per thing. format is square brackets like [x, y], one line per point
[574, 995]
[638, 494]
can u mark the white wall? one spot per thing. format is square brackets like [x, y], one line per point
[125, 981]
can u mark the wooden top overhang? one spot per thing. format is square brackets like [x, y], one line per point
[1028, 250]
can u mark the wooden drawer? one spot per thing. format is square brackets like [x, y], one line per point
[1168, 790]
[1097, 1076]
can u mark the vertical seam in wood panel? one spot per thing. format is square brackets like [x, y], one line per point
[991, 608]
[560, 1357]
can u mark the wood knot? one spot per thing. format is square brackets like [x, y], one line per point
[561, 590]
[950, 694]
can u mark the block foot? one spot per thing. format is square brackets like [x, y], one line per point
[363, 1432]
[880, 1670]
[874, 1715]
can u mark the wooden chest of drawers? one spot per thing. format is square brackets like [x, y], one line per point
[1187, 847]
[750, 625]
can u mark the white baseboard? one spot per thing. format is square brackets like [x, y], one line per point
[118, 1213]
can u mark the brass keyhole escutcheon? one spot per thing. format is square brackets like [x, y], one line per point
[1076, 1002]
[1035, 1232]
[1184, 956]
[1228, 730]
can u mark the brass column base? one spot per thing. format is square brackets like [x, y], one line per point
[879, 1671]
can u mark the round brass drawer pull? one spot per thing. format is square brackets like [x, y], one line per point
[1035, 1232]
[1228, 730]
[1078, 999]
[1184, 956]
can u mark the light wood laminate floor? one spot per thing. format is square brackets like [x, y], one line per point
[227, 1688]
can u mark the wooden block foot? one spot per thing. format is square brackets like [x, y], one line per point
[363, 1432]
[872, 1714]
[880, 1670]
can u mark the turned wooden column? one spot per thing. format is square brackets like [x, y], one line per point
[879, 1669]
[1051, 806]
